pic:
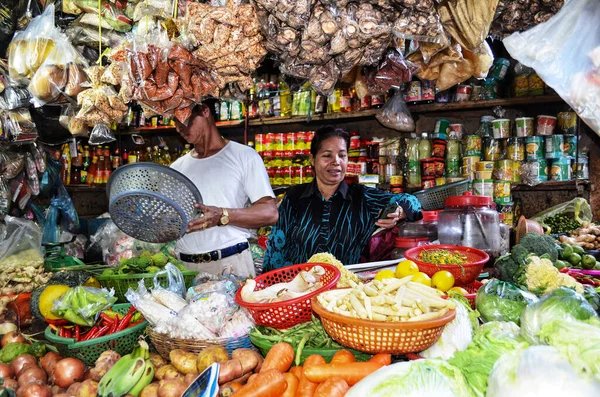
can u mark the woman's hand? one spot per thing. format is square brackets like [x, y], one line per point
[210, 217]
[392, 219]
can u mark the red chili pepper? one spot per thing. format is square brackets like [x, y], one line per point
[102, 331]
[90, 333]
[77, 333]
[107, 318]
[126, 320]
[136, 323]
[564, 270]
[114, 326]
[61, 332]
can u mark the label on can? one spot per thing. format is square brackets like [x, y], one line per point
[427, 182]
[396, 180]
[428, 90]
[485, 166]
[504, 170]
[561, 169]
[493, 149]
[567, 123]
[297, 175]
[483, 187]
[271, 171]
[554, 146]
[259, 142]
[524, 127]
[540, 170]
[442, 126]
[473, 145]
[301, 141]
[355, 142]
[428, 167]
[534, 147]
[502, 192]
[279, 176]
[456, 131]
[569, 147]
[452, 168]
[440, 181]
[516, 149]
[290, 141]
[414, 91]
[508, 211]
[439, 148]
[517, 171]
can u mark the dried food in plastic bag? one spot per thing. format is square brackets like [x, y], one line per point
[13, 165]
[481, 59]
[393, 71]
[100, 104]
[39, 158]
[111, 14]
[29, 48]
[468, 22]
[30, 166]
[4, 197]
[395, 114]
[101, 134]
[564, 53]
[419, 5]
[19, 125]
[19, 191]
[15, 97]
[419, 25]
[68, 119]
[22, 245]
[519, 15]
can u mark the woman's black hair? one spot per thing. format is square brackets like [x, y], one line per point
[327, 132]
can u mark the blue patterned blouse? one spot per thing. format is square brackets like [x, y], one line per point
[308, 224]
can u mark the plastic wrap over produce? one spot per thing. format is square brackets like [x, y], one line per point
[565, 53]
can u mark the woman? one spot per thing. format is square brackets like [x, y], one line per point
[329, 215]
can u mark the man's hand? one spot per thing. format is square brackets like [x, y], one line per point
[392, 219]
[210, 218]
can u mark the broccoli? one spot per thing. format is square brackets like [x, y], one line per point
[159, 259]
[532, 243]
[146, 254]
[507, 267]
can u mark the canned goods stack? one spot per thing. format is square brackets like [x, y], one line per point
[286, 156]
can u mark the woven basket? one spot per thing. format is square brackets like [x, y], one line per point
[122, 282]
[382, 337]
[164, 344]
[88, 351]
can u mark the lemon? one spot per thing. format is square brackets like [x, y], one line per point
[406, 268]
[422, 278]
[460, 290]
[387, 273]
[442, 280]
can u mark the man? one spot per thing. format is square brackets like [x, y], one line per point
[229, 176]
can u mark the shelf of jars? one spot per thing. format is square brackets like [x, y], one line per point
[370, 113]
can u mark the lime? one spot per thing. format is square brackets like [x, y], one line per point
[442, 280]
[387, 273]
[422, 278]
[406, 268]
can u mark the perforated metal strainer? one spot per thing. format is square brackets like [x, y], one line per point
[151, 202]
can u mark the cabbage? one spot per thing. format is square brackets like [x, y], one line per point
[560, 304]
[457, 334]
[578, 341]
[490, 342]
[538, 371]
[502, 301]
[421, 378]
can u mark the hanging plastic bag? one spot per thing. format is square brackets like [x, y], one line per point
[4, 196]
[32, 176]
[69, 217]
[565, 53]
[578, 209]
[83, 305]
[392, 72]
[468, 23]
[175, 280]
[110, 12]
[51, 230]
[68, 119]
[50, 177]
[395, 114]
[22, 245]
[423, 25]
[101, 134]
[19, 126]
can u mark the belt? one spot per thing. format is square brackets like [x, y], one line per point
[214, 255]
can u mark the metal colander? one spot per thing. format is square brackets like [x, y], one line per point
[151, 202]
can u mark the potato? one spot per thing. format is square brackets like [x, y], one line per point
[211, 355]
[189, 378]
[230, 370]
[167, 372]
[89, 388]
[249, 358]
[183, 361]
[171, 388]
[157, 361]
[74, 389]
[103, 364]
[150, 391]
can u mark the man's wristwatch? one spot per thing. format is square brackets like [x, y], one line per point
[224, 220]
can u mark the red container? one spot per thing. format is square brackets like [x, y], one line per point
[286, 314]
[22, 308]
[472, 292]
[463, 274]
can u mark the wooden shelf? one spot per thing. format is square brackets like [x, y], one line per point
[470, 105]
[85, 188]
[552, 186]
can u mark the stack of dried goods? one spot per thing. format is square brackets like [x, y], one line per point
[519, 15]
[226, 39]
[99, 104]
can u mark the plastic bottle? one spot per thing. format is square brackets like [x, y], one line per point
[156, 155]
[107, 165]
[149, 157]
[93, 172]
[167, 156]
[424, 146]
[285, 99]
[99, 176]
[85, 166]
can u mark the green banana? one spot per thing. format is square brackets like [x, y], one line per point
[129, 379]
[126, 373]
[145, 380]
[116, 370]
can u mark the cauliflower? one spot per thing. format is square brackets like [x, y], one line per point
[346, 275]
[541, 277]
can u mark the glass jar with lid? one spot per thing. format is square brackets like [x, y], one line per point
[425, 228]
[402, 244]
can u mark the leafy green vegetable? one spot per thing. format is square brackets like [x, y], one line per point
[15, 349]
[490, 342]
[501, 301]
[560, 304]
[531, 243]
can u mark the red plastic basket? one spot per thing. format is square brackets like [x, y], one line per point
[463, 274]
[472, 292]
[285, 314]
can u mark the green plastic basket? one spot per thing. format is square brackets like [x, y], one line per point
[88, 351]
[122, 282]
[327, 354]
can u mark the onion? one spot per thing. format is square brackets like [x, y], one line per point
[32, 374]
[68, 371]
[19, 362]
[35, 389]
[10, 384]
[48, 362]
[6, 371]
[13, 336]
[7, 327]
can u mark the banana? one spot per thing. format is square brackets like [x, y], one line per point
[116, 370]
[129, 379]
[126, 373]
[145, 380]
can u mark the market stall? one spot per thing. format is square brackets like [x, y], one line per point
[494, 292]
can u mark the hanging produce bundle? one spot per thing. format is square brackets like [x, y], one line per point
[226, 39]
[468, 21]
[99, 104]
[519, 15]
[323, 41]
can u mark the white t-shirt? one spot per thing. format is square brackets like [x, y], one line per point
[235, 177]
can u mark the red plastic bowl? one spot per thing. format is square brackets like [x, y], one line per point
[463, 274]
[285, 314]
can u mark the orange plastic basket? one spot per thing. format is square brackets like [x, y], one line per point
[382, 337]
[285, 314]
[463, 274]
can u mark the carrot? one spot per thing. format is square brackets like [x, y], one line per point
[381, 358]
[350, 372]
[307, 388]
[296, 371]
[332, 387]
[343, 356]
[280, 357]
[292, 385]
[251, 378]
[270, 383]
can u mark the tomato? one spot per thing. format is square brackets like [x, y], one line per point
[442, 280]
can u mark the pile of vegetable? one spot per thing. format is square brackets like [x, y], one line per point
[561, 223]
[304, 283]
[22, 280]
[443, 257]
[391, 299]
[574, 256]
[587, 237]
[532, 243]
[345, 275]
[147, 262]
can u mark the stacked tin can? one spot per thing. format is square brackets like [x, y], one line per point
[286, 156]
